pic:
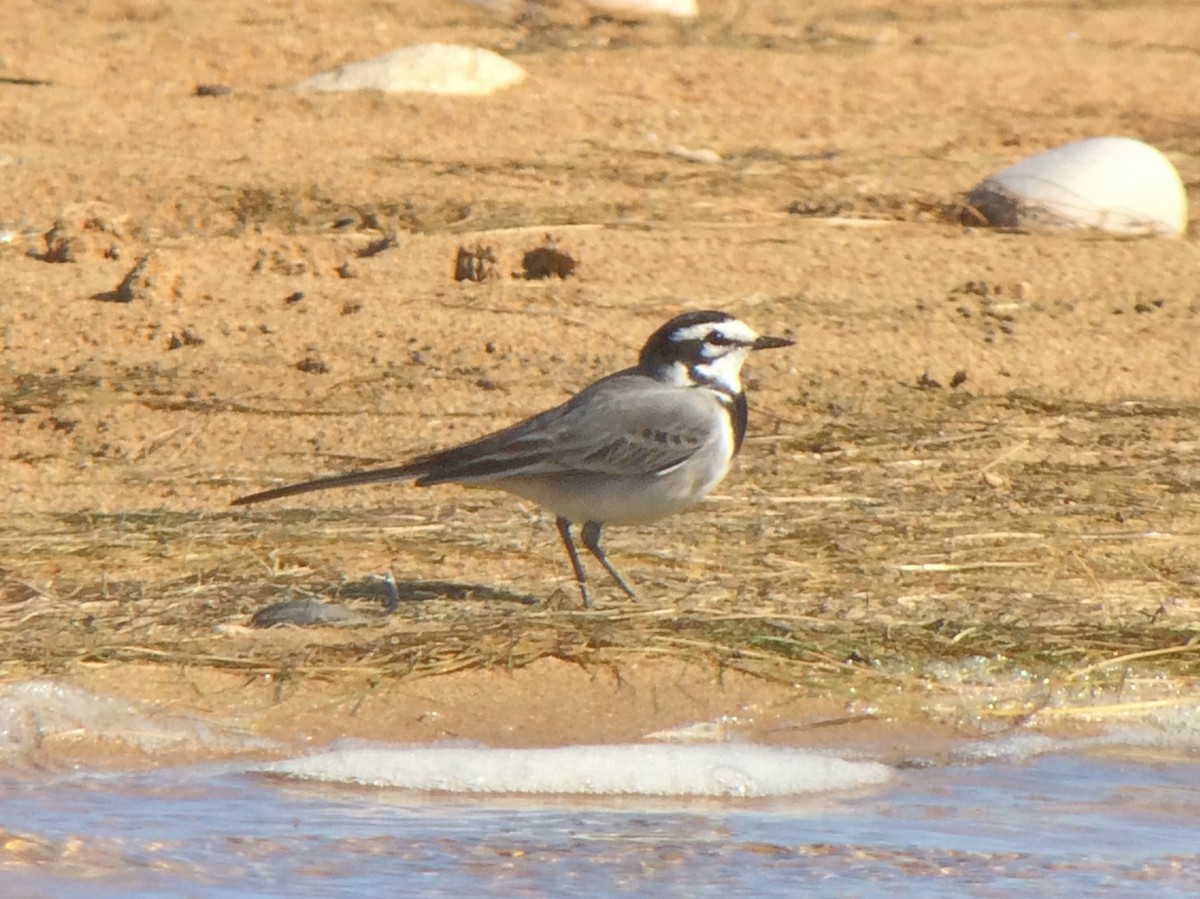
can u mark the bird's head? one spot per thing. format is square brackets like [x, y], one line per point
[704, 348]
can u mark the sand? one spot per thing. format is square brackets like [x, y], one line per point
[210, 292]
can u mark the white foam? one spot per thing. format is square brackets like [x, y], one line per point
[618, 770]
[1171, 730]
[33, 713]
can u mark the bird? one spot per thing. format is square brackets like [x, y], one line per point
[631, 448]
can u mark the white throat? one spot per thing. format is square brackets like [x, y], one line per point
[723, 373]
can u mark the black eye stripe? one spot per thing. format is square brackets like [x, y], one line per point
[709, 347]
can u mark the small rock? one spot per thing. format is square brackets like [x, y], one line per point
[75, 233]
[139, 283]
[279, 263]
[423, 68]
[212, 90]
[509, 10]
[184, 338]
[311, 365]
[379, 245]
[644, 9]
[62, 246]
[478, 264]
[703, 155]
[546, 261]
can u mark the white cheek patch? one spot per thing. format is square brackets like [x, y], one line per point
[725, 371]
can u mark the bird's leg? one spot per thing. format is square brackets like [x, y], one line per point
[564, 531]
[591, 539]
[391, 598]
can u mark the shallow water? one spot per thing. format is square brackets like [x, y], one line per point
[1064, 823]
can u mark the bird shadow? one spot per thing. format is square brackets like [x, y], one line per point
[389, 593]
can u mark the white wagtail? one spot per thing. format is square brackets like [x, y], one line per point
[629, 449]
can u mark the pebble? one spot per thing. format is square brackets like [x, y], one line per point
[642, 9]
[423, 68]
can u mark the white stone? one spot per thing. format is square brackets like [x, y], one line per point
[504, 9]
[1113, 184]
[620, 9]
[423, 68]
[641, 9]
[702, 155]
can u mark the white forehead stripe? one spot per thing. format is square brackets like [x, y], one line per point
[734, 329]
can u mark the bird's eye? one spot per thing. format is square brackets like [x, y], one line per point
[717, 338]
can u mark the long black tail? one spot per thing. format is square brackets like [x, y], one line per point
[517, 448]
[353, 479]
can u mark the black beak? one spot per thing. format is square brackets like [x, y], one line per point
[770, 343]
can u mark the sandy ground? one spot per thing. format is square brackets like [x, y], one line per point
[270, 336]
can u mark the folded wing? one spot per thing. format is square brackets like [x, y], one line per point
[626, 424]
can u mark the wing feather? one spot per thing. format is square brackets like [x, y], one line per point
[625, 424]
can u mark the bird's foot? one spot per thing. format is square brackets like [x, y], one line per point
[391, 595]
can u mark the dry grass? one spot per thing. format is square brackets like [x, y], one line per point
[925, 540]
